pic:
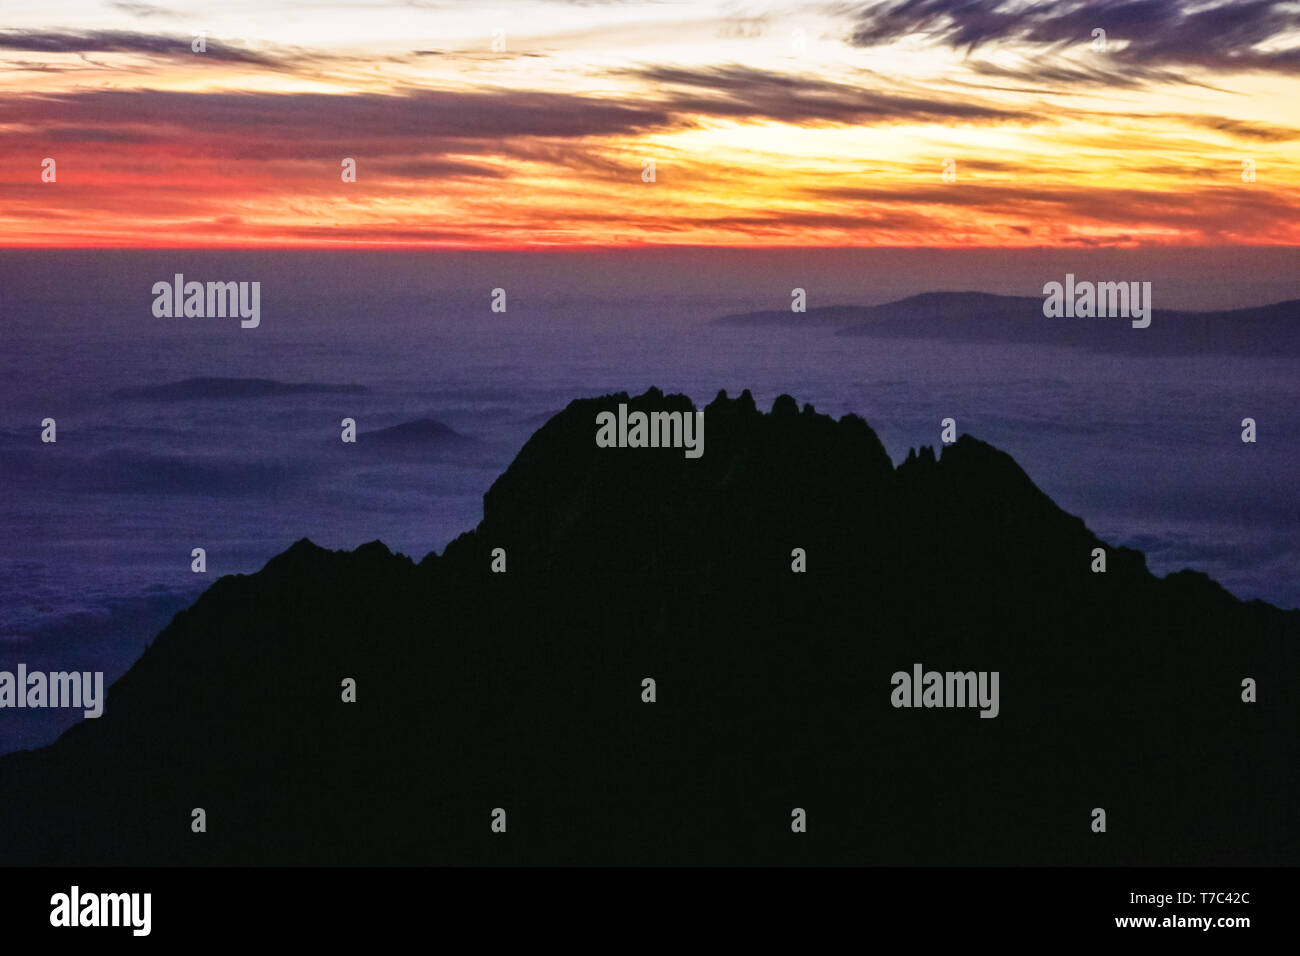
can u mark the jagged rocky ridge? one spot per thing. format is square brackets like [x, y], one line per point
[522, 690]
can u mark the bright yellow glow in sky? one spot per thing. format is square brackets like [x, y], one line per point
[530, 123]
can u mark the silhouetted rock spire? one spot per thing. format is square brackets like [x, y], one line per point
[770, 588]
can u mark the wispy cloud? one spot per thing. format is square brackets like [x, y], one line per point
[141, 10]
[1228, 36]
[126, 41]
[534, 122]
[745, 92]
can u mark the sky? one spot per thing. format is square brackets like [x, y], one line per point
[559, 124]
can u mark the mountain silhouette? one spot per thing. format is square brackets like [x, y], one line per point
[522, 690]
[191, 389]
[1269, 330]
[422, 431]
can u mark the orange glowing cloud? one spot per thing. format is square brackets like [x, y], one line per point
[540, 123]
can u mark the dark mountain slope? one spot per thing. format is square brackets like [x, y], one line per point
[522, 690]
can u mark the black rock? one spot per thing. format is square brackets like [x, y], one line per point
[478, 690]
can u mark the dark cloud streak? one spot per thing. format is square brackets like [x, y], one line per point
[744, 92]
[127, 41]
[1223, 37]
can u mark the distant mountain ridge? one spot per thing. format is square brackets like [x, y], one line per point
[1268, 330]
[420, 431]
[226, 388]
[523, 690]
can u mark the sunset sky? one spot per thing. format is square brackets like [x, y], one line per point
[527, 124]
